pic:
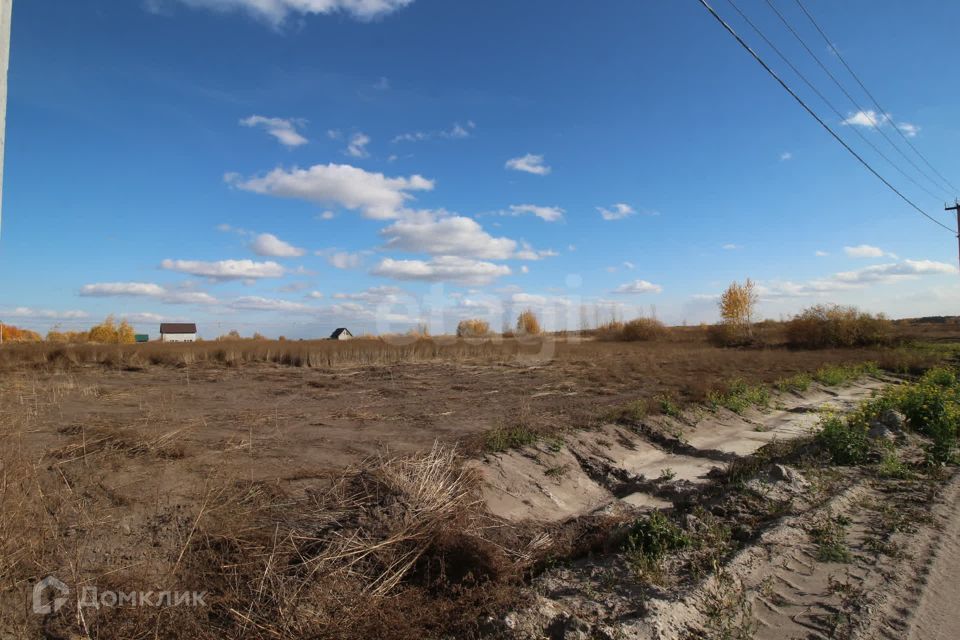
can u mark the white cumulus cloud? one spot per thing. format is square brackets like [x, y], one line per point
[28, 312]
[866, 251]
[456, 132]
[226, 269]
[257, 303]
[276, 12]
[529, 163]
[267, 244]
[283, 129]
[870, 119]
[147, 290]
[357, 147]
[344, 260]
[374, 195]
[452, 235]
[637, 287]
[618, 211]
[548, 214]
[442, 269]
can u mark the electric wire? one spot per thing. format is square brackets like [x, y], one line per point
[877, 119]
[906, 138]
[706, 5]
[827, 101]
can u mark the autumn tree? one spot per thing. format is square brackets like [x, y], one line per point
[109, 332]
[527, 323]
[737, 306]
[15, 334]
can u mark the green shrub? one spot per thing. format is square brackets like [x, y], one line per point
[504, 438]
[655, 536]
[740, 396]
[925, 404]
[799, 382]
[837, 374]
[941, 377]
[668, 405]
[847, 444]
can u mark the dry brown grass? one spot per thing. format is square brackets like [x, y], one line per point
[314, 353]
[397, 547]
[393, 547]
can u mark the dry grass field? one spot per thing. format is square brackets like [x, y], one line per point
[312, 489]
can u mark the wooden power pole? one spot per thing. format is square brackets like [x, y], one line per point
[956, 208]
[6, 8]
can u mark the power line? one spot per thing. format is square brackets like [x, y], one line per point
[800, 101]
[826, 100]
[877, 124]
[870, 95]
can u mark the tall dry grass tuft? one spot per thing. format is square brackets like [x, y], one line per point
[397, 547]
[396, 532]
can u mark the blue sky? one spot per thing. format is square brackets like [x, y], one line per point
[290, 166]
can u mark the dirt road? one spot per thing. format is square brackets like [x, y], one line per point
[937, 616]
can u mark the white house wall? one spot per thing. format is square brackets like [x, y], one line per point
[179, 337]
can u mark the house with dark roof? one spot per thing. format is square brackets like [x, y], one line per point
[178, 332]
[341, 334]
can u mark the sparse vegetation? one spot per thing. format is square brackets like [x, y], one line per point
[845, 441]
[649, 540]
[829, 533]
[668, 405]
[509, 437]
[797, 383]
[739, 396]
[728, 610]
[264, 547]
[838, 374]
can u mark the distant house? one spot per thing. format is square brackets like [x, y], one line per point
[341, 334]
[178, 332]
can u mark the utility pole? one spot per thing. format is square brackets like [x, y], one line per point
[956, 207]
[6, 9]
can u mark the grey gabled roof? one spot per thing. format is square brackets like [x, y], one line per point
[340, 331]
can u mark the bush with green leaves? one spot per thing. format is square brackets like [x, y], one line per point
[740, 396]
[931, 407]
[845, 441]
[655, 536]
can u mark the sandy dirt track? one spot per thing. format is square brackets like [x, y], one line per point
[938, 614]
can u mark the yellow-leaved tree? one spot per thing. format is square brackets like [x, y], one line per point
[109, 332]
[737, 306]
[527, 323]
